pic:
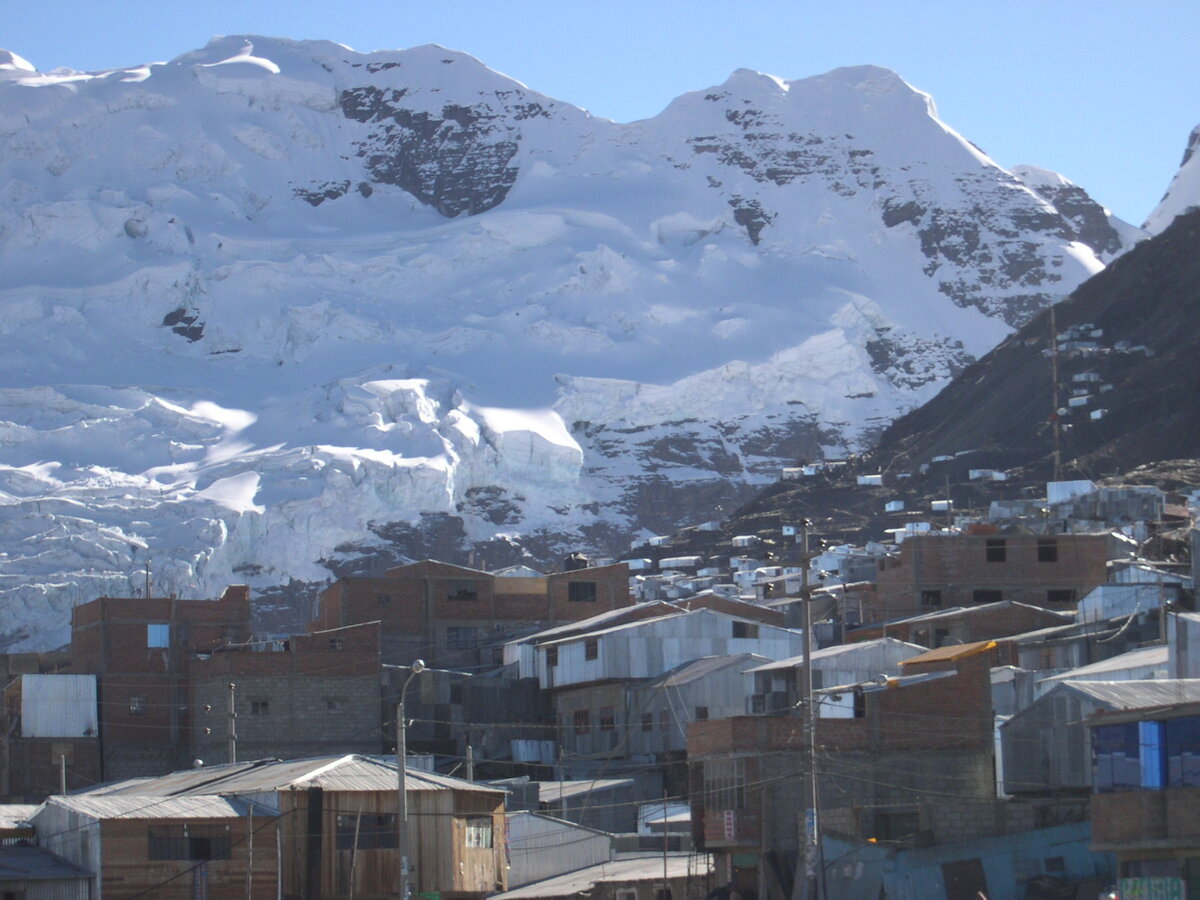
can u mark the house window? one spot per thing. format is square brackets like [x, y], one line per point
[460, 637]
[664, 720]
[260, 707]
[996, 550]
[724, 784]
[608, 718]
[647, 721]
[745, 630]
[479, 832]
[551, 657]
[581, 591]
[336, 644]
[895, 824]
[376, 831]
[137, 705]
[335, 705]
[158, 636]
[583, 721]
[627, 895]
[195, 842]
[941, 637]
[701, 713]
[461, 589]
[383, 599]
[987, 596]
[1047, 550]
[662, 893]
[931, 598]
[1060, 596]
[591, 648]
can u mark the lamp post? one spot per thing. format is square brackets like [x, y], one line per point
[402, 892]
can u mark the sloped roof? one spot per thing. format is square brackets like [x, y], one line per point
[141, 806]
[601, 620]
[617, 871]
[705, 665]
[1143, 656]
[837, 650]
[951, 653]
[28, 863]
[353, 772]
[1139, 694]
[13, 815]
[554, 791]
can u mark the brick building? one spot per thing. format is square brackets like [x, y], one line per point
[307, 695]
[884, 771]
[142, 649]
[451, 615]
[934, 571]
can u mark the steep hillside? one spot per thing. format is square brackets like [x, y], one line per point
[1129, 381]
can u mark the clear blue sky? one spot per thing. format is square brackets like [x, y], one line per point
[1099, 90]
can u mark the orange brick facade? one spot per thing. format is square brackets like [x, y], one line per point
[141, 650]
[939, 571]
[444, 613]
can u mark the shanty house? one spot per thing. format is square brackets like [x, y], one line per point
[337, 822]
[135, 845]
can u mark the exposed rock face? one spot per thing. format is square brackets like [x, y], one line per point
[307, 311]
[1089, 222]
[458, 161]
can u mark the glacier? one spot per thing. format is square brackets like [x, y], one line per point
[276, 311]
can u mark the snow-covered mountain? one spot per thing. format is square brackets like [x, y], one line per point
[1183, 194]
[274, 307]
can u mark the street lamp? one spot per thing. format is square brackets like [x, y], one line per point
[418, 666]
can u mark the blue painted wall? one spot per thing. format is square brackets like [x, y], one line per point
[856, 871]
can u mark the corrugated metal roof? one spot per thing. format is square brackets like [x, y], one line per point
[675, 612]
[14, 814]
[1141, 694]
[1145, 656]
[597, 621]
[951, 653]
[793, 662]
[705, 665]
[644, 868]
[27, 863]
[353, 772]
[133, 806]
[554, 791]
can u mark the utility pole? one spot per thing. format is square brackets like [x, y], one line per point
[1055, 421]
[470, 763]
[232, 722]
[62, 773]
[813, 876]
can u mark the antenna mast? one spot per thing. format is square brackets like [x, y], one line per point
[1054, 417]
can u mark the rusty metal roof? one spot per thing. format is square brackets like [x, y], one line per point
[951, 653]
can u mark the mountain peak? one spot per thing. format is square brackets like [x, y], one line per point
[1183, 194]
[14, 67]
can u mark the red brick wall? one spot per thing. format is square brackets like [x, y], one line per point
[958, 566]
